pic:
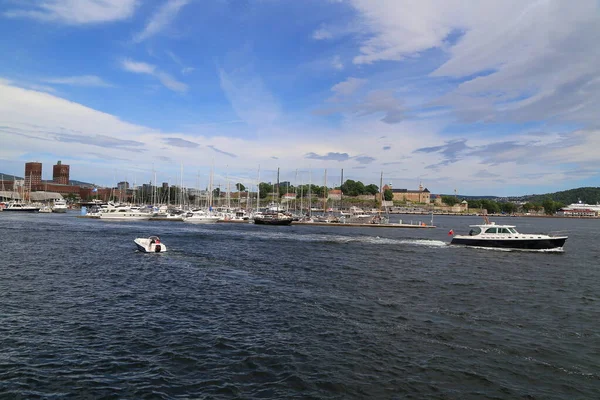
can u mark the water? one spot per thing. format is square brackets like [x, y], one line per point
[244, 311]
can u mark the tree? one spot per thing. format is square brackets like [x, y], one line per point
[388, 195]
[450, 200]
[240, 187]
[490, 205]
[353, 188]
[265, 189]
[551, 206]
[508, 208]
[372, 189]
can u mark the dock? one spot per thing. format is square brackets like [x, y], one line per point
[297, 223]
[416, 226]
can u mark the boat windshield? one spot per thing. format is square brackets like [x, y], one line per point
[475, 231]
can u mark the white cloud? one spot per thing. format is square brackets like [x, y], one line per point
[82, 80]
[522, 60]
[170, 82]
[149, 69]
[321, 34]
[161, 19]
[75, 12]
[336, 63]
[97, 144]
[138, 67]
[348, 86]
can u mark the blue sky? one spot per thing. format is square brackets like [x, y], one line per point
[497, 97]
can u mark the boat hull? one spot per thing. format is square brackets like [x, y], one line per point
[117, 217]
[261, 221]
[520, 244]
[27, 210]
[208, 220]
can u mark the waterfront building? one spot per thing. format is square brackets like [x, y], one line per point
[335, 194]
[33, 174]
[60, 173]
[421, 195]
[123, 185]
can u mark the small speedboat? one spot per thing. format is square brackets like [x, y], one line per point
[150, 245]
[506, 237]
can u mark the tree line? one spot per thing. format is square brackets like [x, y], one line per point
[549, 206]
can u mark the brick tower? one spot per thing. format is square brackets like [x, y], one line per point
[33, 174]
[60, 174]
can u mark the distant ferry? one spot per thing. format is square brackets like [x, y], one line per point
[580, 209]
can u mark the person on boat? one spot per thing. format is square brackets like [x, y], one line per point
[471, 232]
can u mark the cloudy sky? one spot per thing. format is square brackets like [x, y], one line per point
[487, 97]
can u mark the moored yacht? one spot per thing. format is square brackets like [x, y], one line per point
[201, 217]
[22, 207]
[124, 213]
[59, 206]
[272, 218]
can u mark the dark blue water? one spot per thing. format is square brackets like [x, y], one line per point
[244, 311]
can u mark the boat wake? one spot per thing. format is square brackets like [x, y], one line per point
[319, 238]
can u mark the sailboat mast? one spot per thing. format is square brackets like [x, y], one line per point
[309, 192]
[325, 192]
[381, 191]
[258, 189]
[277, 184]
[341, 191]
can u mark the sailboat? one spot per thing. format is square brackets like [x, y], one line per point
[273, 215]
[19, 205]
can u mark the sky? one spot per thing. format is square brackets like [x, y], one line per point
[482, 98]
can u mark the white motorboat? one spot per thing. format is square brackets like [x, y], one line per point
[201, 217]
[21, 207]
[506, 237]
[59, 206]
[151, 244]
[124, 213]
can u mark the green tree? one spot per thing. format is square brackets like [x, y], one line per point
[388, 195]
[450, 200]
[551, 206]
[372, 189]
[474, 204]
[353, 188]
[508, 208]
[491, 206]
[240, 187]
[266, 189]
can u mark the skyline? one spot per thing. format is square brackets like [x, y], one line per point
[495, 98]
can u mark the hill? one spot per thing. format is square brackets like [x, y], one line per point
[8, 177]
[589, 195]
